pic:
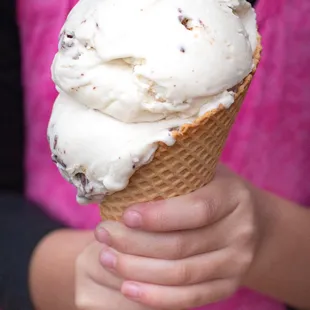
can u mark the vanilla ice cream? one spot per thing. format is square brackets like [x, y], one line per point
[128, 72]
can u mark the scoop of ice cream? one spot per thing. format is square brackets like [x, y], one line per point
[97, 153]
[147, 60]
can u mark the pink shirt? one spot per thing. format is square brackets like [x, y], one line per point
[269, 144]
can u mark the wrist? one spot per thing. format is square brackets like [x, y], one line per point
[277, 240]
[52, 269]
[266, 215]
[280, 265]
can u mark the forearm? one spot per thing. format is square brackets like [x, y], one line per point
[282, 265]
[53, 267]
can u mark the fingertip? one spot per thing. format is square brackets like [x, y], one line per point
[102, 235]
[148, 215]
[132, 219]
[143, 293]
[108, 258]
[131, 290]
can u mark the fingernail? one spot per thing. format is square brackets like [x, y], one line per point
[108, 259]
[131, 290]
[132, 219]
[103, 236]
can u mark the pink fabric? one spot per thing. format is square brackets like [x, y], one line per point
[269, 144]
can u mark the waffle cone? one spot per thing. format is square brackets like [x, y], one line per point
[187, 165]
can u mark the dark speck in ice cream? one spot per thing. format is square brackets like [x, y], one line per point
[59, 161]
[185, 21]
[182, 49]
[54, 157]
[81, 176]
[55, 142]
[77, 56]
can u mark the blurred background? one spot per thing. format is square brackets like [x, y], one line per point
[11, 124]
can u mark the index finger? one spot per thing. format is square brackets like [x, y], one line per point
[200, 208]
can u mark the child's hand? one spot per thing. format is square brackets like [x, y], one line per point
[187, 251]
[96, 287]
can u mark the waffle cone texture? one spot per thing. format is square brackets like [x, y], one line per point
[187, 165]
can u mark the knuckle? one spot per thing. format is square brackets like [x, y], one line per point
[183, 274]
[240, 263]
[247, 259]
[120, 236]
[246, 234]
[154, 217]
[248, 256]
[123, 243]
[179, 247]
[159, 220]
[206, 208]
[243, 263]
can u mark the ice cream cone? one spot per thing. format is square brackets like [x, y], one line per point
[187, 165]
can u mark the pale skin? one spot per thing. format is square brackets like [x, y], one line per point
[181, 253]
